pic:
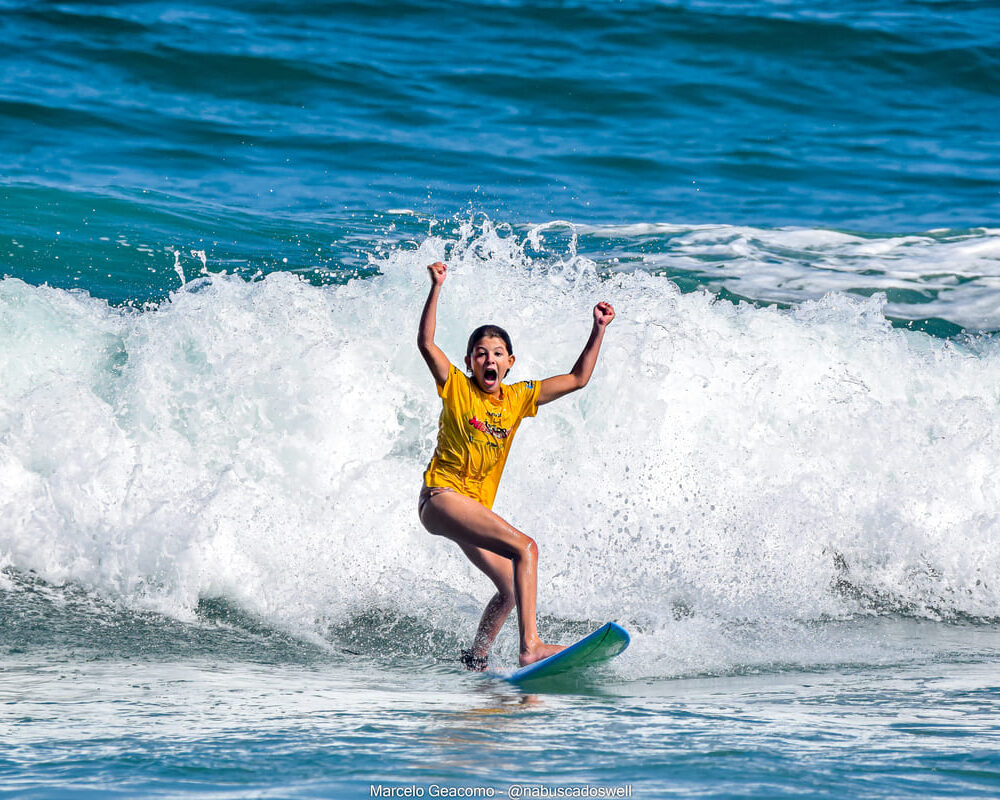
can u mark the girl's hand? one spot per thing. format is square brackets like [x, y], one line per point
[438, 270]
[603, 314]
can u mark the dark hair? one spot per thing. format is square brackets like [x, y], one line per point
[489, 330]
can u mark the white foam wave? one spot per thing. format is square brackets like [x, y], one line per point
[949, 275]
[727, 465]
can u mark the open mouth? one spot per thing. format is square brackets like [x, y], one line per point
[490, 375]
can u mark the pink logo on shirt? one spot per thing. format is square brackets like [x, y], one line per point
[485, 427]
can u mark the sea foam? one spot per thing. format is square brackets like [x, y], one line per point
[728, 465]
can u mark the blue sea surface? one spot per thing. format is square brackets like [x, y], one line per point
[782, 478]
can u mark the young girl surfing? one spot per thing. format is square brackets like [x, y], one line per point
[476, 428]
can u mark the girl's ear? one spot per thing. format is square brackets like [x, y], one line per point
[512, 360]
[468, 364]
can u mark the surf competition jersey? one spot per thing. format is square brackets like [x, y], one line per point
[475, 432]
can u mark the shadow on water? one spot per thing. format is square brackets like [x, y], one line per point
[391, 637]
[928, 597]
[68, 622]
[593, 682]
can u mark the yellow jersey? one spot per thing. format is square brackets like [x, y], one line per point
[475, 433]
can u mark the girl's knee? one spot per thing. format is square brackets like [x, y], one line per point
[529, 548]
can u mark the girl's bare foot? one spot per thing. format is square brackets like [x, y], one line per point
[539, 650]
[474, 661]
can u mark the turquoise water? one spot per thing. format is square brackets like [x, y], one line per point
[144, 706]
[213, 420]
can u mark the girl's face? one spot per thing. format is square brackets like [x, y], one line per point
[489, 363]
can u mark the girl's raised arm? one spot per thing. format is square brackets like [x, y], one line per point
[437, 361]
[558, 385]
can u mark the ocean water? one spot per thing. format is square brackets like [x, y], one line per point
[782, 478]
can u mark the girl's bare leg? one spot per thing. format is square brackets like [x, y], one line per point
[468, 523]
[500, 570]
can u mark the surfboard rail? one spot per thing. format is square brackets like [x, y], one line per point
[605, 643]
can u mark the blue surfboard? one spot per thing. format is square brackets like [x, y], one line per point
[606, 642]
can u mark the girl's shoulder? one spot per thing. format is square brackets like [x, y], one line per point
[522, 396]
[522, 386]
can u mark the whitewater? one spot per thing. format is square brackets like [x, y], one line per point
[215, 222]
[263, 441]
